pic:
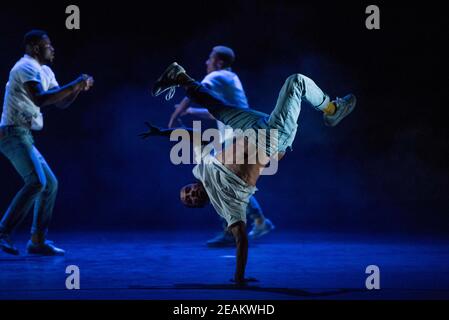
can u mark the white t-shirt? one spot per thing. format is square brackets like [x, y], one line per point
[227, 192]
[18, 107]
[227, 86]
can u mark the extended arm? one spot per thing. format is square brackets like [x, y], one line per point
[180, 109]
[200, 112]
[59, 95]
[241, 239]
[163, 132]
[66, 102]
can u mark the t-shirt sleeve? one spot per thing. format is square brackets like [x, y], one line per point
[207, 80]
[212, 81]
[53, 82]
[27, 73]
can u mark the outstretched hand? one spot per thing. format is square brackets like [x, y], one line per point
[152, 131]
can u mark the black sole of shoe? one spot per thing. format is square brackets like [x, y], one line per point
[10, 251]
[159, 80]
[45, 255]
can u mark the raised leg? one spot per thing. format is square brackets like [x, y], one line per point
[235, 117]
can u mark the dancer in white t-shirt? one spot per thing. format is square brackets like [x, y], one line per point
[31, 89]
[226, 85]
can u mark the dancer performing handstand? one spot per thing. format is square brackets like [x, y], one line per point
[225, 83]
[229, 186]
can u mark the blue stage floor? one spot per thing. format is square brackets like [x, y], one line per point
[177, 265]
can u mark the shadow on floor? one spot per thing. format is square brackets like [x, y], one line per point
[286, 291]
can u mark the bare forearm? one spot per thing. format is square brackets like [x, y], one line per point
[58, 95]
[166, 132]
[241, 240]
[65, 103]
[180, 109]
[242, 258]
[184, 104]
[200, 112]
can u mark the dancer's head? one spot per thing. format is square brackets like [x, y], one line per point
[38, 45]
[220, 58]
[194, 195]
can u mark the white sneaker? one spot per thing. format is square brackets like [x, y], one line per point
[344, 106]
[261, 229]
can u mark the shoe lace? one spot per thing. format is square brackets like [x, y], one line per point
[170, 93]
[338, 101]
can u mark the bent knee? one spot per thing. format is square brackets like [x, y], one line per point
[36, 186]
[296, 77]
[51, 185]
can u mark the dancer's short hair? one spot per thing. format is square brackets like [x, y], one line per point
[33, 37]
[225, 54]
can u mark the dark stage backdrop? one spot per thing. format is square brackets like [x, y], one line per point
[383, 170]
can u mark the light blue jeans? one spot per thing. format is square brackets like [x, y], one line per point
[40, 184]
[283, 118]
